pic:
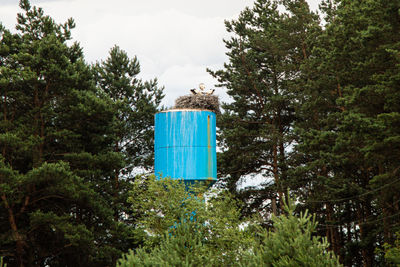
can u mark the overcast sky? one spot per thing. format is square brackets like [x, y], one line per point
[174, 40]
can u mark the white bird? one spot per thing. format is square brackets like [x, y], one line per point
[202, 90]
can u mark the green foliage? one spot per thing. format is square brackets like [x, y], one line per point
[187, 228]
[57, 149]
[392, 253]
[292, 242]
[265, 52]
[215, 234]
[184, 246]
[165, 202]
[316, 109]
[2, 264]
[160, 204]
[343, 140]
[135, 102]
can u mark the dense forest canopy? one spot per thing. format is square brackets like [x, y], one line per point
[70, 134]
[315, 113]
[316, 109]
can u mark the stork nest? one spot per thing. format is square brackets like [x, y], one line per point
[210, 102]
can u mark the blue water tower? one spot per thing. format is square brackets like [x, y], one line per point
[185, 145]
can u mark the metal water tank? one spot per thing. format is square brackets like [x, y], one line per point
[185, 145]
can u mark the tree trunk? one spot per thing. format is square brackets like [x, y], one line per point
[18, 238]
[332, 230]
[273, 204]
[276, 176]
[116, 187]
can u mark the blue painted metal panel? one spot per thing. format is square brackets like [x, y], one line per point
[185, 145]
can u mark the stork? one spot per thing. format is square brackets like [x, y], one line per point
[202, 90]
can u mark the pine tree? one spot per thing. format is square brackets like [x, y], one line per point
[348, 112]
[135, 103]
[265, 54]
[337, 97]
[291, 243]
[56, 142]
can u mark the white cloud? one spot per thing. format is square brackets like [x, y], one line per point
[174, 40]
